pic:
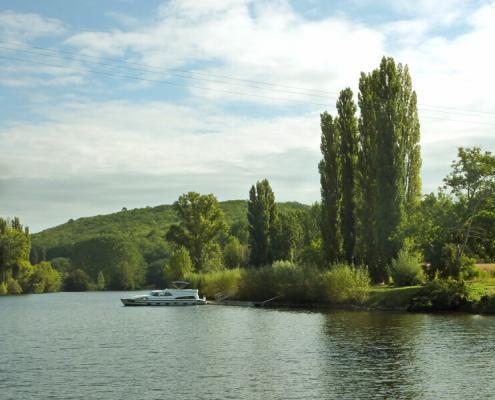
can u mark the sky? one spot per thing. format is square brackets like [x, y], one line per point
[129, 103]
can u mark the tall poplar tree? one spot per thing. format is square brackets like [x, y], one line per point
[348, 132]
[366, 176]
[389, 156]
[262, 219]
[330, 193]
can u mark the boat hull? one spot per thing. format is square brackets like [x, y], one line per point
[164, 302]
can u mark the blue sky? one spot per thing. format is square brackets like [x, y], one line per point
[107, 104]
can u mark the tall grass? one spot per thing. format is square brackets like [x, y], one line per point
[295, 283]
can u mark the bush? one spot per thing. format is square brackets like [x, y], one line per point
[343, 284]
[406, 269]
[486, 304]
[346, 284]
[442, 295]
[13, 287]
[225, 282]
[3, 289]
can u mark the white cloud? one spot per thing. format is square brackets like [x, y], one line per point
[24, 26]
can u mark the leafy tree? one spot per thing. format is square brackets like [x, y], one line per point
[77, 281]
[391, 159]
[201, 224]
[472, 181]
[330, 188]
[348, 132]
[288, 238]
[234, 253]
[179, 264]
[240, 230]
[15, 246]
[262, 219]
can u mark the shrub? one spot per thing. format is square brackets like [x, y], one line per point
[486, 304]
[442, 295]
[406, 269]
[212, 283]
[346, 284]
[13, 286]
[3, 289]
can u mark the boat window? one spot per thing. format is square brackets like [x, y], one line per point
[186, 297]
[167, 294]
[154, 294]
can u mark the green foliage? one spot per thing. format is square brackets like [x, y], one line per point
[225, 282]
[486, 304]
[472, 181]
[262, 219]
[312, 254]
[389, 162]
[15, 245]
[295, 283]
[13, 286]
[348, 145]
[201, 224]
[346, 284]
[41, 278]
[235, 254]
[3, 289]
[77, 281]
[118, 258]
[442, 295]
[406, 269]
[453, 266]
[179, 265]
[155, 273]
[100, 281]
[287, 238]
[330, 188]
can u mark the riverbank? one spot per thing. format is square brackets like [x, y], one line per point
[475, 298]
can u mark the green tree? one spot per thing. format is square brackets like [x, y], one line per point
[472, 181]
[288, 238]
[262, 219]
[15, 246]
[390, 155]
[179, 264]
[201, 224]
[330, 188]
[234, 253]
[77, 281]
[348, 132]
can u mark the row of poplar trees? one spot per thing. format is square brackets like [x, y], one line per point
[370, 181]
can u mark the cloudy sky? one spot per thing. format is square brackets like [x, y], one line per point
[106, 104]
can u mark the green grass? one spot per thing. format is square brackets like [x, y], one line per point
[391, 297]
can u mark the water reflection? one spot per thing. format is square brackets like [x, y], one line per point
[85, 345]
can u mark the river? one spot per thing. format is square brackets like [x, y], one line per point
[88, 346]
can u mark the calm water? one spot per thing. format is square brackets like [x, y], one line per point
[87, 346]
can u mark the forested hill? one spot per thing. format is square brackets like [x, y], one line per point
[144, 225]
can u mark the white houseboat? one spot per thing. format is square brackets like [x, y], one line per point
[178, 296]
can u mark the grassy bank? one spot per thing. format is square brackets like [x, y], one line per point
[344, 286]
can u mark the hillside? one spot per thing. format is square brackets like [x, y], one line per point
[147, 226]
